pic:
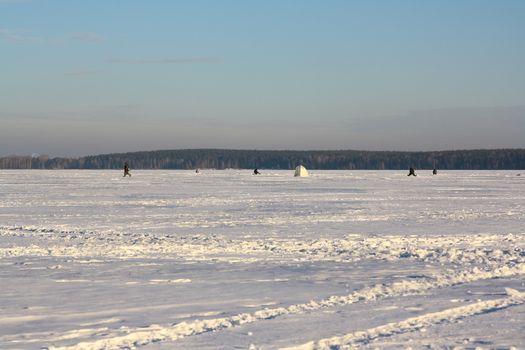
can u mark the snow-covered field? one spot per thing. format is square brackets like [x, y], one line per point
[228, 260]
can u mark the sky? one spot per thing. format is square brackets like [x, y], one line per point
[83, 77]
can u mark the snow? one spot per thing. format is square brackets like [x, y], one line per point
[415, 323]
[225, 259]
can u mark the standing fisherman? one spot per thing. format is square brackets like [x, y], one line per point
[126, 169]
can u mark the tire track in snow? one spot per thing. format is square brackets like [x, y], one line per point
[351, 340]
[156, 333]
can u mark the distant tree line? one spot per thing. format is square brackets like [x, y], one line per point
[496, 159]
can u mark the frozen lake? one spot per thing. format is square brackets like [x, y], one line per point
[229, 260]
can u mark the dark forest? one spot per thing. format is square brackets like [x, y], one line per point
[496, 159]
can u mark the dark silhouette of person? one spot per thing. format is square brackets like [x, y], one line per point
[434, 172]
[411, 172]
[126, 170]
[256, 172]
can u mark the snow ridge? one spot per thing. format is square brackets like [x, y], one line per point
[457, 249]
[156, 333]
[351, 340]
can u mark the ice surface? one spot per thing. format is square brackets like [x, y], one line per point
[225, 259]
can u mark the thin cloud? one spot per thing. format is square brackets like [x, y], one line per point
[180, 60]
[26, 37]
[86, 37]
[83, 72]
[17, 36]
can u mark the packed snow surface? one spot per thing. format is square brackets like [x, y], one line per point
[229, 260]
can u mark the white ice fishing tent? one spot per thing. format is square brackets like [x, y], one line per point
[301, 171]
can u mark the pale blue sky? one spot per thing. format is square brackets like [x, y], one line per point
[101, 76]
